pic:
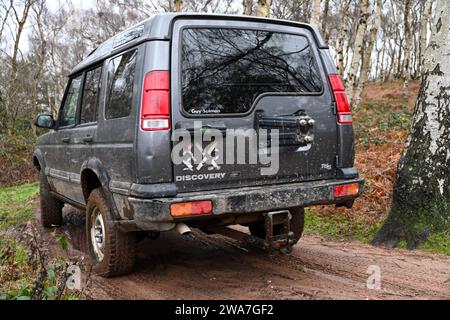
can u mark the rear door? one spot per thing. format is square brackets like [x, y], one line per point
[117, 122]
[248, 76]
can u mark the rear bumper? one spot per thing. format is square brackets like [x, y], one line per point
[154, 214]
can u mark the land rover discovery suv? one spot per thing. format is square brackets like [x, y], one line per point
[198, 121]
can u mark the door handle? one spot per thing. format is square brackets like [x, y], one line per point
[65, 139]
[190, 127]
[219, 127]
[88, 139]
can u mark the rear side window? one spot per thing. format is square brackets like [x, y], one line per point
[225, 70]
[69, 109]
[90, 96]
[120, 90]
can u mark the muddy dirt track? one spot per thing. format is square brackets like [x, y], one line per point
[214, 267]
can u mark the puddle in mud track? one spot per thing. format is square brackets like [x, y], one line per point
[74, 227]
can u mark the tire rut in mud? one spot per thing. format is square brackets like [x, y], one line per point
[215, 267]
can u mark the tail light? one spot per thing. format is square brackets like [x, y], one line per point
[347, 190]
[156, 101]
[186, 209]
[343, 107]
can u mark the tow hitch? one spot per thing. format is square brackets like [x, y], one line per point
[280, 241]
[283, 240]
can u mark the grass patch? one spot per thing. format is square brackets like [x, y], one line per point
[339, 227]
[15, 204]
[26, 272]
[438, 243]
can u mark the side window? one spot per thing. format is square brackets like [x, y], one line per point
[91, 94]
[69, 109]
[120, 88]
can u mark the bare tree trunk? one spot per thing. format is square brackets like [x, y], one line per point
[399, 58]
[366, 66]
[306, 15]
[382, 66]
[248, 7]
[426, 13]
[40, 61]
[392, 57]
[315, 13]
[5, 19]
[408, 45]
[178, 5]
[264, 8]
[9, 120]
[358, 48]
[325, 30]
[20, 25]
[422, 190]
[341, 38]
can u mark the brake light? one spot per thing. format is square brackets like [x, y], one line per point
[347, 190]
[185, 209]
[343, 107]
[156, 101]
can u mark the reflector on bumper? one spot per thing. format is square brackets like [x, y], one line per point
[347, 190]
[186, 209]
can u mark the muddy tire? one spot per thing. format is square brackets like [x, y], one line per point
[51, 208]
[257, 229]
[112, 251]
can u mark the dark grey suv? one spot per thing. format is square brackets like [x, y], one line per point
[110, 151]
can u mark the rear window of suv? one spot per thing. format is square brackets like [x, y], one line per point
[225, 70]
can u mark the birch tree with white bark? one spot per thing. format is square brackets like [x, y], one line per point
[178, 5]
[264, 8]
[367, 63]
[326, 11]
[422, 191]
[424, 23]
[408, 46]
[315, 13]
[358, 48]
[248, 7]
[342, 36]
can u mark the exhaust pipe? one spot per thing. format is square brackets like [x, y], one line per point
[183, 229]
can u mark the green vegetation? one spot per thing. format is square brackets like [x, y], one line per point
[20, 262]
[15, 204]
[20, 280]
[16, 163]
[438, 243]
[339, 227]
[376, 120]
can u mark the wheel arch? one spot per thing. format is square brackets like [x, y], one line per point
[38, 160]
[94, 175]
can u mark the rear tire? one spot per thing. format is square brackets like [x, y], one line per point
[258, 229]
[112, 251]
[51, 208]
